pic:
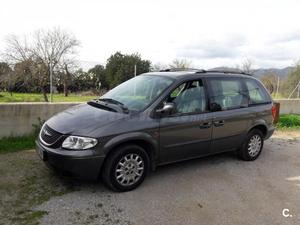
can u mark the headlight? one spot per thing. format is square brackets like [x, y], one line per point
[79, 143]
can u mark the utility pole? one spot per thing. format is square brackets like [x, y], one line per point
[51, 80]
[277, 88]
[100, 88]
[134, 90]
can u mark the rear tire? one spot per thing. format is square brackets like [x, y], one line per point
[252, 146]
[126, 168]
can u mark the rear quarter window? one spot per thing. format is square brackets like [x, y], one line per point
[257, 93]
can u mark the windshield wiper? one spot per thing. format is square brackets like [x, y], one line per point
[115, 102]
[111, 101]
[97, 104]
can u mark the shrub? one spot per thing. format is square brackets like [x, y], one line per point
[289, 120]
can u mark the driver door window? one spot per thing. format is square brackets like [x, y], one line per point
[188, 98]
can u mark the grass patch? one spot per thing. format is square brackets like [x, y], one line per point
[13, 144]
[26, 183]
[289, 122]
[31, 217]
[38, 97]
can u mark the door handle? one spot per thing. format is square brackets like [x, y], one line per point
[219, 123]
[205, 125]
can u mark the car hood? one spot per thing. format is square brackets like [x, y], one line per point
[83, 119]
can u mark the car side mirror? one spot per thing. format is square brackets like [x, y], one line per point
[166, 109]
[215, 107]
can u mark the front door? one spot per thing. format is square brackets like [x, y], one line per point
[186, 132]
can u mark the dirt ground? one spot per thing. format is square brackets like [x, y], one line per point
[214, 190]
[287, 134]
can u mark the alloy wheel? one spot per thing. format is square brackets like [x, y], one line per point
[254, 145]
[129, 169]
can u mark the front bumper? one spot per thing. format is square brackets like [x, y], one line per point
[81, 164]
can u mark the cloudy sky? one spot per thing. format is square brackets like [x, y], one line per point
[207, 33]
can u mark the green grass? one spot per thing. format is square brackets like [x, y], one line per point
[289, 121]
[13, 144]
[38, 97]
[26, 183]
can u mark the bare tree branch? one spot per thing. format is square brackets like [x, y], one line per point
[180, 64]
[247, 65]
[46, 50]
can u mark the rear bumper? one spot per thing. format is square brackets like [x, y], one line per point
[80, 164]
[270, 132]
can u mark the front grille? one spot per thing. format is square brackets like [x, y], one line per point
[49, 136]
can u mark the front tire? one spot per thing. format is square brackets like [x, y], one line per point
[252, 146]
[126, 168]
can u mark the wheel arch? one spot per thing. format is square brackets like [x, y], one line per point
[144, 140]
[260, 126]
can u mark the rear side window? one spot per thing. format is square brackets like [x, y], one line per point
[257, 94]
[227, 93]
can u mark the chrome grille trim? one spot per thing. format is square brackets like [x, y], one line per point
[48, 136]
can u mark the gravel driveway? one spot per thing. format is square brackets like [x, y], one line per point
[213, 190]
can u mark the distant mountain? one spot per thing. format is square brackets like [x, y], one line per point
[282, 73]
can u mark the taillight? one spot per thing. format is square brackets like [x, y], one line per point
[275, 112]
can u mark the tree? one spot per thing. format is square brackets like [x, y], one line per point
[56, 47]
[47, 49]
[292, 80]
[99, 76]
[5, 72]
[120, 68]
[24, 77]
[83, 81]
[180, 64]
[4, 68]
[158, 67]
[65, 74]
[246, 66]
[270, 81]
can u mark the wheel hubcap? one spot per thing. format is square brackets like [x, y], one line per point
[129, 169]
[254, 145]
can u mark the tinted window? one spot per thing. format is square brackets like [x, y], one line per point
[227, 93]
[188, 97]
[256, 92]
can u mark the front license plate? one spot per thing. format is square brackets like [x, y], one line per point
[41, 153]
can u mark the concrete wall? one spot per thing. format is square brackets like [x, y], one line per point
[289, 106]
[16, 119]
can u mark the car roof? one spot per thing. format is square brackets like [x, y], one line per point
[199, 73]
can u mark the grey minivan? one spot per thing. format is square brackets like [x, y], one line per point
[158, 118]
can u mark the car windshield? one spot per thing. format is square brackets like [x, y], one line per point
[138, 92]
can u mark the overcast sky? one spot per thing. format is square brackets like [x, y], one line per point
[208, 33]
